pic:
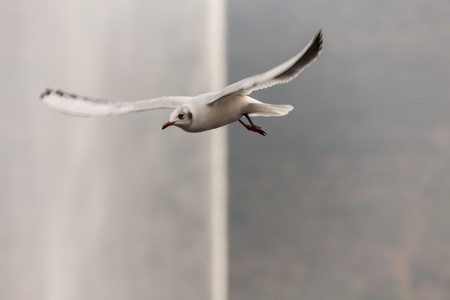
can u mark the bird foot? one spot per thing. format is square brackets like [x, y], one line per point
[252, 127]
[257, 129]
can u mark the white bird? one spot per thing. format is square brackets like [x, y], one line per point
[202, 112]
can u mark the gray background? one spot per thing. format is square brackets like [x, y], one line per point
[347, 197]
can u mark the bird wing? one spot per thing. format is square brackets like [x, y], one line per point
[283, 73]
[81, 106]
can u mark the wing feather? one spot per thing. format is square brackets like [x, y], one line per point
[82, 106]
[283, 73]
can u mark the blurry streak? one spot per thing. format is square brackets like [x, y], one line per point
[217, 63]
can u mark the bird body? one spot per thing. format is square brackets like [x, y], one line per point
[224, 112]
[213, 116]
[202, 112]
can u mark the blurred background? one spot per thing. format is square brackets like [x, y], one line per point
[347, 197]
[110, 208]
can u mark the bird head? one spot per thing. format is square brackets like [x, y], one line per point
[181, 117]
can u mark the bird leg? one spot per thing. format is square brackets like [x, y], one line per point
[252, 127]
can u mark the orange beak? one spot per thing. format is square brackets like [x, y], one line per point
[167, 124]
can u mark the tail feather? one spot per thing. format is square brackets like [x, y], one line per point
[268, 110]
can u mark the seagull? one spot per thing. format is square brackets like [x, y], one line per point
[203, 112]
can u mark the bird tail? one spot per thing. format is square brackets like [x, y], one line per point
[268, 110]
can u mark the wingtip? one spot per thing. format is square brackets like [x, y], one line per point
[58, 92]
[320, 33]
[319, 38]
[45, 93]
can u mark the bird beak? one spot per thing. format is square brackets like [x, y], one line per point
[167, 124]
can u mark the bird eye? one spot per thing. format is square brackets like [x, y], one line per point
[181, 116]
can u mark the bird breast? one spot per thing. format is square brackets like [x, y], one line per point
[205, 117]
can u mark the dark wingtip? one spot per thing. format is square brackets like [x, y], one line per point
[45, 93]
[319, 39]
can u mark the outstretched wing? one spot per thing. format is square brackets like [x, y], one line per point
[283, 73]
[81, 106]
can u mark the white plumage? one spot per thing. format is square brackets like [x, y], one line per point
[202, 112]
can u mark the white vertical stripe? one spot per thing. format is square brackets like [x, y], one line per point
[219, 172]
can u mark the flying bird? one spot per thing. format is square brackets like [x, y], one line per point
[202, 112]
